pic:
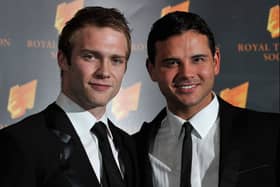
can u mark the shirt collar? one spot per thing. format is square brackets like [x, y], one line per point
[202, 122]
[174, 122]
[81, 119]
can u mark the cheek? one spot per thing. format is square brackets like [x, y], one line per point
[85, 68]
[207, 72]
[80, 71]
[119, 74]
[82, 74]
[163, 72]
[165, 78]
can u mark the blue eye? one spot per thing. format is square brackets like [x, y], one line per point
[118, 60]
[89, 56]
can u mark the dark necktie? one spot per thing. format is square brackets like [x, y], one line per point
[110, 176]
[186, 156]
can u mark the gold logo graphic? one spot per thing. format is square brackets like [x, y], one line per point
[126, 101]
[184, 6]
[21, 98]
[237, 96]
[273, 25]
[5, 42]
[65, 11]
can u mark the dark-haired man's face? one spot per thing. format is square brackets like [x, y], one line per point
[185, 70]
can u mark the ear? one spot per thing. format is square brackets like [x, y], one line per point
[151, 69]
[217, 61]
[62, 61]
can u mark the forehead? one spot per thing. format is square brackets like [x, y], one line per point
[94, 37]
[188, 42]
[92, 31]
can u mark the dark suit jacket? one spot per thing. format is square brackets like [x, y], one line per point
[44, 151]
[249, 148]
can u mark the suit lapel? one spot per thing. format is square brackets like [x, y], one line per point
[231, 138]
[152, 129]
[73, 158]
[145, 141]
[125, 158]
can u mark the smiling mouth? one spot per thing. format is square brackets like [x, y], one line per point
[186, 86]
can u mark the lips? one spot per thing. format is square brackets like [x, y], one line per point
[100, 86]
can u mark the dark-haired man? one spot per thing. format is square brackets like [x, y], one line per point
[199, 140]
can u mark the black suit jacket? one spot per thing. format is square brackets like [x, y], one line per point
[44, 151]
[249, 147]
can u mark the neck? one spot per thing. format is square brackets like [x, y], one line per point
[97, 112]
[188, 111]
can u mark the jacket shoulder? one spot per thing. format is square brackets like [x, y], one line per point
[28, 128]
[25, 126]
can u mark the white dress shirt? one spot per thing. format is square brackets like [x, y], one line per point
[82, 122]
[165, 155]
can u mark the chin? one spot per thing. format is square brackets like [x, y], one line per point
[189, 103]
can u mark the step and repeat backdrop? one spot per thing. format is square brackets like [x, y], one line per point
[247, 33]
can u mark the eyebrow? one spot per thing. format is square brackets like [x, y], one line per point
[99, 54]
[200, 55]
[171, 58]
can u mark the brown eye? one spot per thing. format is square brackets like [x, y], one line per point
[171, 62]
[199, 58]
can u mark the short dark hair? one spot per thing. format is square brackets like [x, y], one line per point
[176, 23]
[97, 16]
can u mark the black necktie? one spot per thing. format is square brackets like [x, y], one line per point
[111, 175]
[186, 156]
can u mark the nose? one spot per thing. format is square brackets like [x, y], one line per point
[103, 69]
[187, 69]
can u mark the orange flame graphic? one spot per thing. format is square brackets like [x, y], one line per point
[273, 25]
[237, 96]
[65, 12]
[184, 6]
[21, 98]
[126, 101]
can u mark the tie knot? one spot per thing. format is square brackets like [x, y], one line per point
[188, 127]
[100, 130]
